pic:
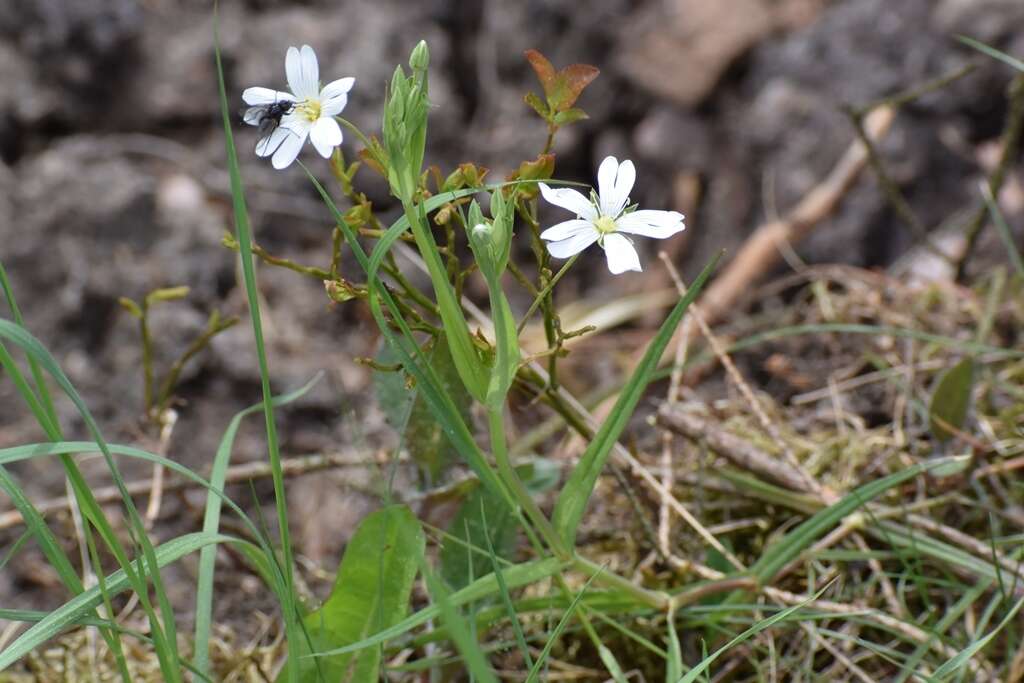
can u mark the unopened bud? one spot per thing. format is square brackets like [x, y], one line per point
[419, 60]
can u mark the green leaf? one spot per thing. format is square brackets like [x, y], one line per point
[481, 519]
[951, 399]
[371, 592]
[514, 577]
[409, 412]
[424, 437]
[392, 391]
[537, 104]
[568, 116]
[573, 500]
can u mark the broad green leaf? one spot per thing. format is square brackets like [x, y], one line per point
[494, 522]
[568, 116]
[392, 391]
[408, 411]
[573, 500]
[371, 592]
[951, 399]
[481, 519]
[514, 577]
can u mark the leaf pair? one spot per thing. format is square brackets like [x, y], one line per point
[561, 89]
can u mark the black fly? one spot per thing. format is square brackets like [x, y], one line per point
[267, 118]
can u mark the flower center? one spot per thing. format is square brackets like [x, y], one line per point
[310, 109]
[605, 225]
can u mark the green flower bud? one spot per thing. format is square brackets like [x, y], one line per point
[419, 60]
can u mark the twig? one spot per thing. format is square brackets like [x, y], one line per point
[168, 418]
[733, 448]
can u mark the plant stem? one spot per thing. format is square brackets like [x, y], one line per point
[542, 295]
[499, 448]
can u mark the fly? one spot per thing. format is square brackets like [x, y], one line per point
[267, 119]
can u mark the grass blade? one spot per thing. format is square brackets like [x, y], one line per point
[243, 235]
[211, 524]
[83, 605]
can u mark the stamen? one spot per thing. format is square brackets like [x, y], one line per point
[605, 225]
[309, 109]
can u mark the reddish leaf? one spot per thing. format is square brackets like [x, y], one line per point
[541, 168]
[561, 88]
[545, 71]
[569, 83]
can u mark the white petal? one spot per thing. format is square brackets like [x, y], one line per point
[567, 229]
[288, 150]
[333, 106]
[335, 88]
[569, 199]
[302, 72]
[615, 193]
[573, 245]
[621, 254]
[269, 144]
[310, 72]
[325, 136]
[606, 177]
[650, 223]
[293, 71]
[257, 96]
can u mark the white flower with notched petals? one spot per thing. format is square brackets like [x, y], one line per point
[605, 217]
[311, 114]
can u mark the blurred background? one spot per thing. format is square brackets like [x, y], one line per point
[113, 181]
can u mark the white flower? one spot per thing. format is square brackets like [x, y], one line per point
[604, 218]
[312, 114]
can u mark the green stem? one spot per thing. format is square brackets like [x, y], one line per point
[499, 447]
[542, 295]
[656, 599]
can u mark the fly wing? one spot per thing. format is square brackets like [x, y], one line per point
[269, 143]
[254, 115]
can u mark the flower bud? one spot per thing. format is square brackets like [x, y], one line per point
[419, 60]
